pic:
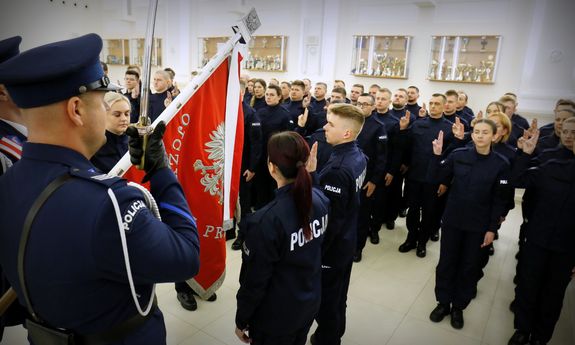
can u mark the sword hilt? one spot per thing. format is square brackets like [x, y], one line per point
[144, 128]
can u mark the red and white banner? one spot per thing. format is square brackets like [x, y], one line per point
[204, 141]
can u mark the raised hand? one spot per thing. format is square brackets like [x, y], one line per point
[311, 164]
[458, 129]
[168, 99]
[422, 111]
[441, 190]
[404, 121]
[531, 130]
[305, 102]
[388, 179]
[528, 142]
[370, 186]
[302, 119]
[479, 115]
[248, 175]
[438, 144]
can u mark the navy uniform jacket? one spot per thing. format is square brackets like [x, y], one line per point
[258, 103]
[317, 106]
[11, 141]
[280, 284]
[294, 109]
[315, 121]
[156, 106]
[74, 265]
[341, 180]
[518, 125]
[551, 222]
[398, 114]
[372, 140]
[252, 150]
[419, 150]
[451, 118]
[413, 108]
[479, 188]
[324, 149]
[394, 149]
[273, 119]
[548, 142]
[112, 151]
[546, 130]
[134, 107]
[466, 114]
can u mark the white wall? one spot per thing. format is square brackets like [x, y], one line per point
[537, 58]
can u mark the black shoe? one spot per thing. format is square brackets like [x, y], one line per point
[357, 257]
[374, 237]
[211, 299]
[441, 311]
[519, 338]
[456, 318]
[491, 250]
[407, 246]
[230, 234]
[390, 225]
[312, 339]
[515, 280]
[434, 237]
[496, 235]
[517, 256]
[187, 301]
[512, 306]
[237, 245]
[403, 212]
[421, 252]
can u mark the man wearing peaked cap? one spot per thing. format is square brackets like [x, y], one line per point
[74, 266]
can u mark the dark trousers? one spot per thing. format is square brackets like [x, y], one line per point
[458, 267]
[264, 187]
[246, 201]
[394, 199]
[297, 338]
[386, 204]
[423, 215]
[364, 219]
[183, 287]
[543, 280]
[331, 317]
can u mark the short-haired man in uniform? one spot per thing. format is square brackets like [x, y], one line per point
[90, 227]
[341, 180]
[356, 91]
[518, 122]
[132, 82]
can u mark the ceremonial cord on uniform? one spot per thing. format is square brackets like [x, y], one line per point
[127, 258]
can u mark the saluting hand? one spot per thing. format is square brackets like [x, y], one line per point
[528, 142]
[249, 175]
[311, 164]
[458, 129]
[488, 239]
[404, 121]
[438, 144]
[388, 179]
[422, 111]
[479, 115]
[531, 130]
[168, 99]
[305, 102]
[441, 190]
[302, 119]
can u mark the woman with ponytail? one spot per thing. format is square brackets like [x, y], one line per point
[280, 279]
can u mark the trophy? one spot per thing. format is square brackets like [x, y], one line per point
[489, 64]
[433, 71]
[465, 41]
[264, 42]
[386, 44]
[447, 71]
[483, 43]
[362, 66]
[460, 70]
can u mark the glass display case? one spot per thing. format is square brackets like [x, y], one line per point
[464, 59]
[116, 52]
[137, 46]
[266, 53]
[208, 47]
[130, 51]
[380, 56]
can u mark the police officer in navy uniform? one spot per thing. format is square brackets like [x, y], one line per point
[280, 280]
[548, 259]
[372, 141]
[12, 137]
[74, 262]
[251, 155]
[423, 196]
[341, 180]
[478, 179]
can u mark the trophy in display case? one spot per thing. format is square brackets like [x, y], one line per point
[380, 56]
[464, 59]
[266, 53]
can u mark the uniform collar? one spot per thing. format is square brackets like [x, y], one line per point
[17, 126]
[55, 154]
[284, 189]
[344, 147]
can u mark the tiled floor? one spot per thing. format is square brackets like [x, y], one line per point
[390, 298]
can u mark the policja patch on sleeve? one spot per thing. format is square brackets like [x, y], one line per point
[131, 213]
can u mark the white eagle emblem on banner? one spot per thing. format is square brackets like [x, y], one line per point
[212, 175]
